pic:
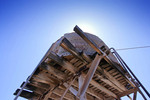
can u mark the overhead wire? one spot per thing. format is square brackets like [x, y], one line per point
[132, 48]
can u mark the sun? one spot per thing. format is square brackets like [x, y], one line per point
[89, 28]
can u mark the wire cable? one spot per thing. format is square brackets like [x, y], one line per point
[133, 48]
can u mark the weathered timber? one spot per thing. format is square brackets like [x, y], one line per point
[68, 58]
[112, 81]
[67, 88]
[39, 84]
[27, 94]
[46, 77]
[64, 76]
[50, 69]
[69, 47]
[96, 48]
[89, 76]
[100, 87]
[60, 92]
[62, 62]
[35, 89]
[127, 92]
[92, 81]
[89, 91]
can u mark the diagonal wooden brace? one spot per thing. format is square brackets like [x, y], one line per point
[94, 65]
[72, 90]
[67, 88]
[81, 79]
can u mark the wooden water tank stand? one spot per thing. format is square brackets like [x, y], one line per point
[78, 75]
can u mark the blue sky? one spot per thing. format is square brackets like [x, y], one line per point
[28, 28]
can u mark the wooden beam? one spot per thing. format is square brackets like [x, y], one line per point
[46, 77]
[88, 40]
[127, 92]
[70, 48]
[67, 88]
[111, 81]
[35, 89]
[89, 76]
[97, 49]
[53, 97]
[62, 62]
[60, 92]
[90, 91]
[53, 71]
[39, 84]
[27, 94]
[100, 87]
[70, 66]
[72, 90]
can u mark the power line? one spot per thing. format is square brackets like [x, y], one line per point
[133, 48]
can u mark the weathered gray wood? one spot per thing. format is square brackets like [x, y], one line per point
[61, 62]
[100, 87]
[60, 92]
[39, 84]
[88, 91]
[72, 90]
[96, 48]
[35, 89]
[53, 71]
[27, 94]
[46, 77]
[67, 88]
[89, 76]
[127, 92]
[92, 81]
[69, 47]
[88, 40]
[112, 81]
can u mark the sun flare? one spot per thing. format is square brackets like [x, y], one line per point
[88, 28]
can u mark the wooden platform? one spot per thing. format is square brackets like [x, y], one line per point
[62, 73]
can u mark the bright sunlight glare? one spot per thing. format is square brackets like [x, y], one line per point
[89, 28]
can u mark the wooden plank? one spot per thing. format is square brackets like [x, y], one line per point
[62, 62]
[96, 48]
[100, 87]
[88, 40]
[107, 81]
[53, 71]
[72, 90]
[35, 89]
[72, 68]
[46, 77]
[116, 84]
[70, 48]
[39, 84]
[70, 83]
[94, 93]
[127, 92]
[60, 92]
[91, 92]
[89, 76]
[103, 89]
[27, 94]
[54, 97]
